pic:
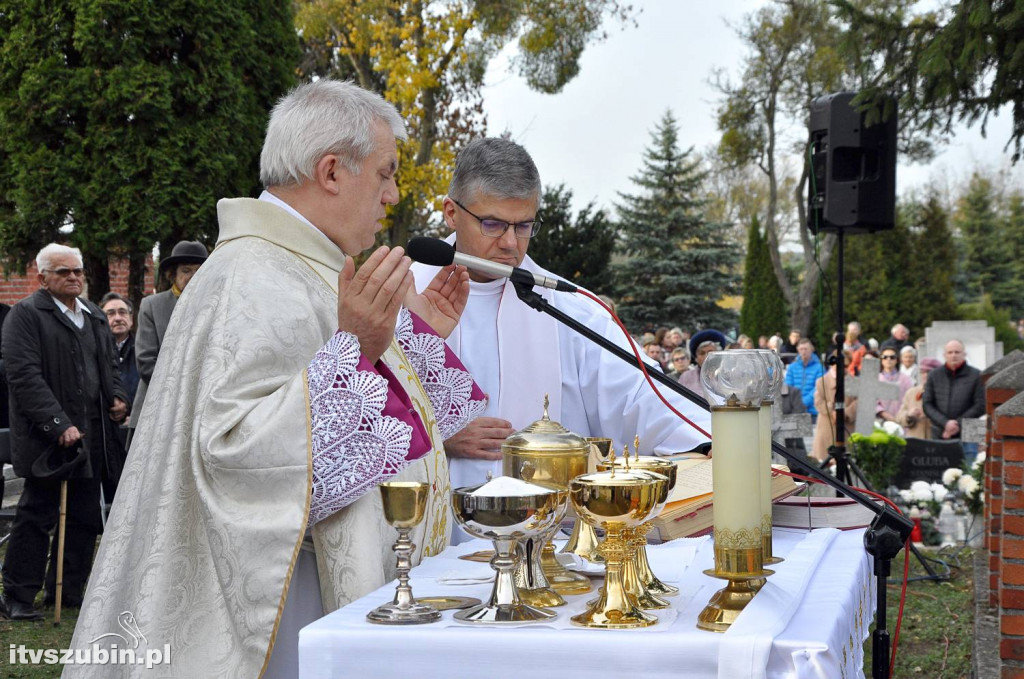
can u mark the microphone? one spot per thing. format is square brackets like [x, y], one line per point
[435, 252]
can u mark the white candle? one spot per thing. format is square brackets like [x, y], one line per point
[735, 465]
[765, 468]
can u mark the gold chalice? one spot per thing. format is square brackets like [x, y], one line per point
[584, 541]
[650, 581]
[506, 521]
[615, 501]
[547, 454]
[404, 505]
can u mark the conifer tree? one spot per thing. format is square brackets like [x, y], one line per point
[677, 263]
[576, 248]
[987, 266]
[764, 306]
[129, 120]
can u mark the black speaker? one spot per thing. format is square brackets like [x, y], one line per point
[853, 168]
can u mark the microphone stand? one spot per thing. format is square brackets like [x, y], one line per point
[883, 539]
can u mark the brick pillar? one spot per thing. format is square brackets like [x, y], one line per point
[999, 389]
[1008, 427]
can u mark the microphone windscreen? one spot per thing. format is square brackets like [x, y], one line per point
[430, 251]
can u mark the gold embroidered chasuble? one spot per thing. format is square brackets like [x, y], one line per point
[214, 500]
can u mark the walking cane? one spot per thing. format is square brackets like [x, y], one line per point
[60, 550]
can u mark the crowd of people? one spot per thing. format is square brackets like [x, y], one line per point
[922, 408]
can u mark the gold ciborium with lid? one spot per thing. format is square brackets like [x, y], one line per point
[547, 454]
[616, 500]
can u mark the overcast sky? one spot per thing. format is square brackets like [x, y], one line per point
[592, 134]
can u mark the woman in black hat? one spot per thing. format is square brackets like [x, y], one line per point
[155, 314]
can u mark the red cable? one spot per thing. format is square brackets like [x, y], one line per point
[643, 368]
[640, 361]
[906, 561]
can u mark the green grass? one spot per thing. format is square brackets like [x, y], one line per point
[938, 620]
[40, 634]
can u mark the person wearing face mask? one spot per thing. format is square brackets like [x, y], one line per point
[155, 314]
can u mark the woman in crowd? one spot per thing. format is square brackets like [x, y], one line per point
[908, 364]
[680, 363]
[824, 402]
[886, 409]
[911, 415]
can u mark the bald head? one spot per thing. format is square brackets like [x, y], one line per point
[955, 354]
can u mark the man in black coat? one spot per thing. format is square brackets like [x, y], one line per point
[66, 396]
[952, 393]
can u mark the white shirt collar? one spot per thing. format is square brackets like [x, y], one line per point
[65, 309]
[271, 198]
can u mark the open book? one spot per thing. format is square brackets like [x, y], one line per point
[688, 512]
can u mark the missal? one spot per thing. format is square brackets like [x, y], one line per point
[688, 512]
[821, 512]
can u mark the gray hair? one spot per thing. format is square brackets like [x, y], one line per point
[44, 260]
[321, 118]
[111, 296]
[494, 167]
[853, 324]
[908, 350]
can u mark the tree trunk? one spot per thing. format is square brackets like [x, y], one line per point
[97, 275]
[137, 281]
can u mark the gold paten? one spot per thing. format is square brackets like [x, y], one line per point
[615, 500]
[547, 454]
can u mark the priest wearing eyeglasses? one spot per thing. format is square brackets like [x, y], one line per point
[518, 355]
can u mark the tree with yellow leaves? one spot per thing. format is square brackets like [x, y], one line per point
[428, 57]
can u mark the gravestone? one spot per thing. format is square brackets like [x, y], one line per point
[979, 341]
[972, 430]
[787, 429]
[927, 459]
[869, 389]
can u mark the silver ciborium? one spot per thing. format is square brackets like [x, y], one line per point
[506, 520]
[404, 505]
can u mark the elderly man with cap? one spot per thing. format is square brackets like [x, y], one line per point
[701, 344]
[65, 400]
[155, 314]
[518, 355]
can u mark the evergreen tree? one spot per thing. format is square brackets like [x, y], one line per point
[578, 249]
[130, 120]
[1014, 229]
[987, 265]
[677, 263]
[932, 267]
[764, 306]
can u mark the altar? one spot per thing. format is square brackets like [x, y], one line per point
[810, 620]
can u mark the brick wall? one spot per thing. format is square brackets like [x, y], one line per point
[17, 288]
[1001, 385]
[1008, 429]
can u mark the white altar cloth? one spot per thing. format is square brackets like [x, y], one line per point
[810, 621]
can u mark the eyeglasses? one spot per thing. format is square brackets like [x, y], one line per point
[117, 312]
[889, 357]
[496, 228]
[65, 272]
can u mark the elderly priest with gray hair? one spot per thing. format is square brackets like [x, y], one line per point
[291, 383]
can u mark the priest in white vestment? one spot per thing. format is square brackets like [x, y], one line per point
[518, 355]
[290, 384]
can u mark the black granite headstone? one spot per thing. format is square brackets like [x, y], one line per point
[927, 459]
